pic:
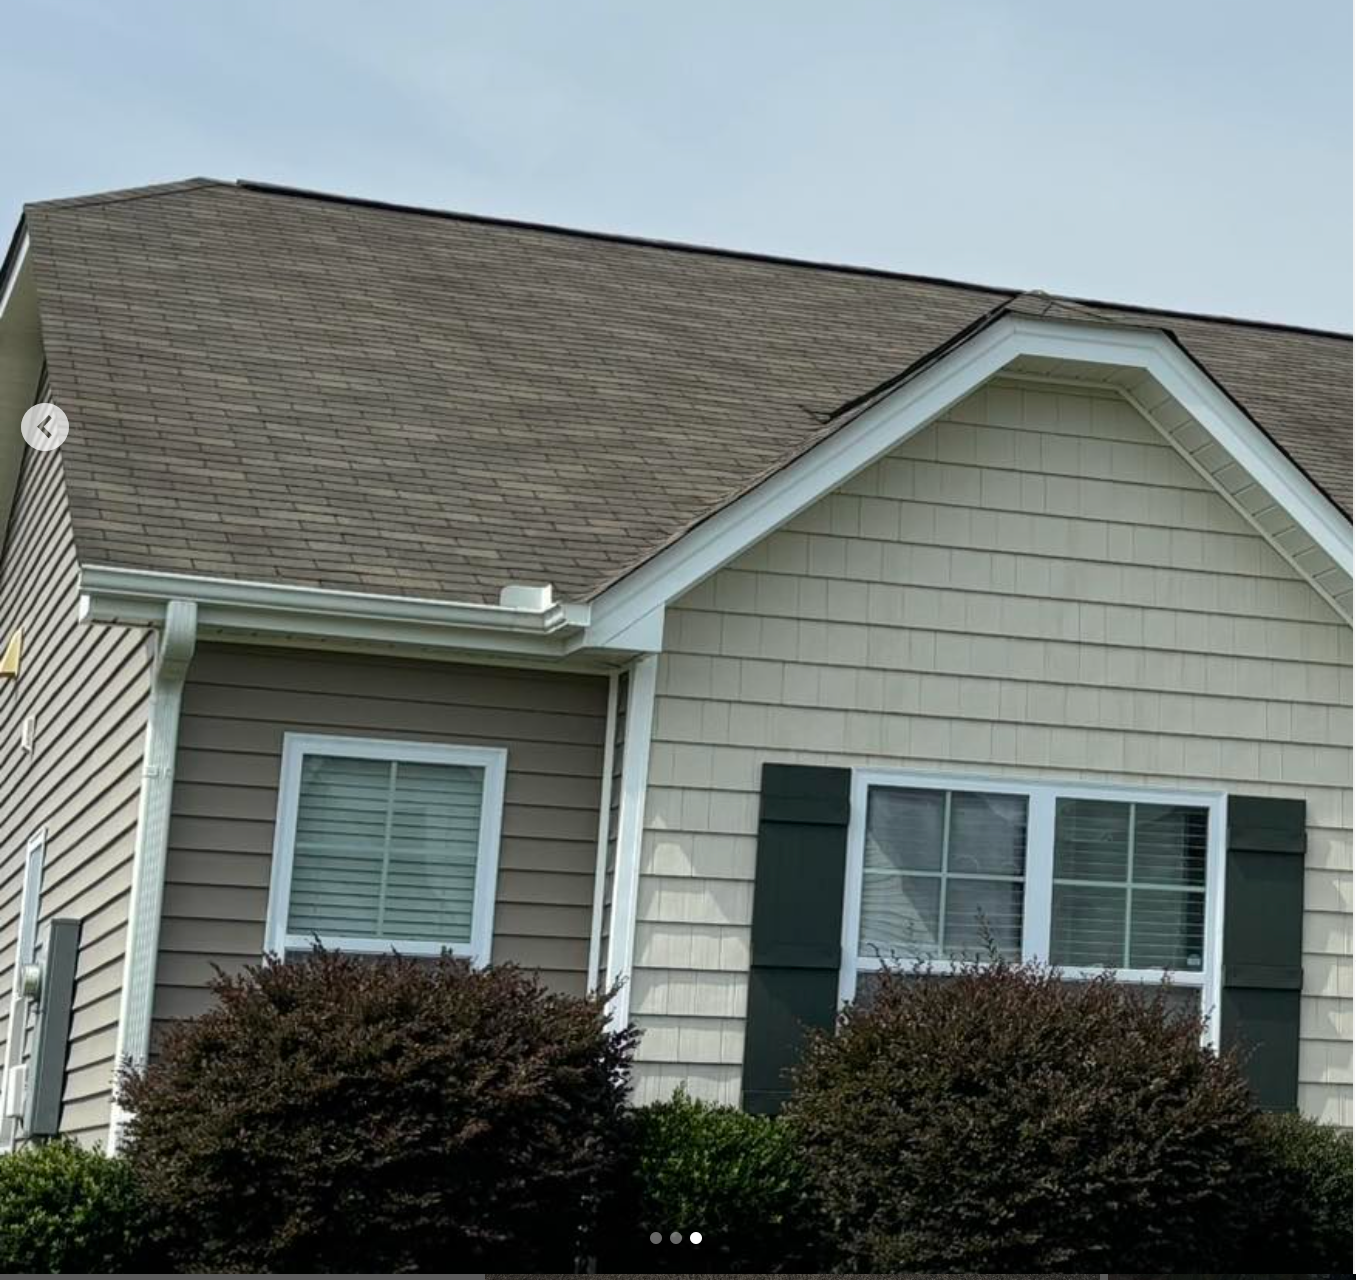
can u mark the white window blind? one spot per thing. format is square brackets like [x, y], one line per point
[386, 849]
[943, 873]
[386, 845]
[1129, 885]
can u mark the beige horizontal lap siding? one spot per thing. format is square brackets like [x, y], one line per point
[239, 702]
[87, 689]
[1035, 586]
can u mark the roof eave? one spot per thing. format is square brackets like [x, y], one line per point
[281, 613]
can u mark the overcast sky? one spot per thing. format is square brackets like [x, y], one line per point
[1194, 154]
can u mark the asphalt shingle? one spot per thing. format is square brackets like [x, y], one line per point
[273, 386]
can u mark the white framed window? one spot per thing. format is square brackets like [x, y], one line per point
[386, 846]
[1090, 878]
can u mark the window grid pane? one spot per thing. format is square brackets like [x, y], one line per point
[1129, 885]
[385, 849]
[916, 898]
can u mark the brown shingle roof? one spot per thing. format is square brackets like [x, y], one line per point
[274, 386]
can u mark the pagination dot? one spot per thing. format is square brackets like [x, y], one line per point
[655, 1237]
[696, 1237]
[676, 1238]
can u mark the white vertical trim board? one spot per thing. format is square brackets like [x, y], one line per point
[493, 761]
[25, 949]
[1039, 873]
[621, 940]
[176, 643]
[604, 822]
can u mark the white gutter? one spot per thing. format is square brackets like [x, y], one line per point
[176, 644]
[604, 825]
[226, 607]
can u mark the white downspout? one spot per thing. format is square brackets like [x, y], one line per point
[604, 822]
[176, 644]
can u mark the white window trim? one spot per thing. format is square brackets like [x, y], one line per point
[296, 746]
[1039, 874]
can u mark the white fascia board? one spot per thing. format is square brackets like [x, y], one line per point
[227, 607]
[919, 401]
[643, 635]
[7, 286]
[818, 471]
[1202, 398]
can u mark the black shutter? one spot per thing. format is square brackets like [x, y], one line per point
[797, 921]
[1263, 924]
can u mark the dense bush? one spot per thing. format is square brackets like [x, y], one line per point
[1307, 1216]
[1003, 1119]
[67, 1208]
[338, 1113]
[735, 1177]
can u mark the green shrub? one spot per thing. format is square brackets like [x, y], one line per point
[66, 1208]
[1004, 1120]
[340, 1113]
[735, 1177]
[1307, 1217]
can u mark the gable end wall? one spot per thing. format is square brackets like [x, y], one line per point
[1037, 586]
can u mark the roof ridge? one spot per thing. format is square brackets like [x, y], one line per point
[616, 237]
[1207, 317]
[682, 246]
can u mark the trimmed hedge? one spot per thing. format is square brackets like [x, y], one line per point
[1002, 1119]
[64, 1207]
[735, 1177]
[342, 1113]
[1307, 1217]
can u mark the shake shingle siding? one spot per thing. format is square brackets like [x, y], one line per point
[1035, 586]
[87, 689]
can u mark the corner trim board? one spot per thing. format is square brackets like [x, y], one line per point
[604, 822]
[177, 643]
[621, 940]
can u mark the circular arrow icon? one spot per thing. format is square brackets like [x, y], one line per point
[45, 427]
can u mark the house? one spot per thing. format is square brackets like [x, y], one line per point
[710, 624]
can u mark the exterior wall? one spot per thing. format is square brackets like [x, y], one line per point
[87, 687]
[1036, 586]
[237, 705]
